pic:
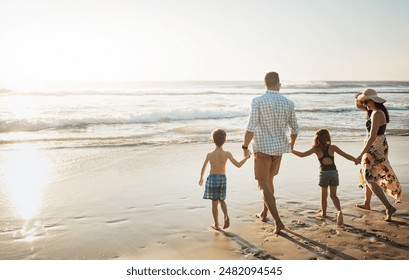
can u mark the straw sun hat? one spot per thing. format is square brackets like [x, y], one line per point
[370, 94]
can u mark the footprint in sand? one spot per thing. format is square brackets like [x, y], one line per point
[79, 217]
[52, 226]
[195, 207]
[161, 204]
[116, 221]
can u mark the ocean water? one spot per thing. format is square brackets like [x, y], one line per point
[82, 115]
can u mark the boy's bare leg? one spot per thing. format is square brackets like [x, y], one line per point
[215, 213]
[367, 202]
[270, 202]
[223, 205]
[324, 195]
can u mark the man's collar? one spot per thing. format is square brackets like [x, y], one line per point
[272, 91]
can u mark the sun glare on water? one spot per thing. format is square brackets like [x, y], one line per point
[27, 172]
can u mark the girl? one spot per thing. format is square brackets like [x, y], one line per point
[322, 147]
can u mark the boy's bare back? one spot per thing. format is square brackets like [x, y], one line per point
[217, 160]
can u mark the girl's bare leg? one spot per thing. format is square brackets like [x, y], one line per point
[334, 197]
[337, 204]
[324, 195]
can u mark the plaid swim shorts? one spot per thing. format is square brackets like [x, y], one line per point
[215, 188]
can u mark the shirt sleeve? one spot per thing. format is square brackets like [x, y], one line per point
[253, 117]
[292, 123]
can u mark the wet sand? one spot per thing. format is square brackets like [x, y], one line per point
[144, 203]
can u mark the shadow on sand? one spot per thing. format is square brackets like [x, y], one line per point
[247, 247]
[314, 247]
[376, 237]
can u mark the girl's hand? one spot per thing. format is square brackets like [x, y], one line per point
[201, 182]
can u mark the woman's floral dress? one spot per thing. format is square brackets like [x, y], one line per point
[377, 169]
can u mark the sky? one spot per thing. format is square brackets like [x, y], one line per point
[116, 40]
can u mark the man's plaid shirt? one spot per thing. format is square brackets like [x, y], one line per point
[271, 117]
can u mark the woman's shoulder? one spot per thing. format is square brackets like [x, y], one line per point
[378, 115]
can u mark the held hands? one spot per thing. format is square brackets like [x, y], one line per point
[358, 160]
[246, 153]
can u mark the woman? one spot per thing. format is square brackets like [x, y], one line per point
[376, 174]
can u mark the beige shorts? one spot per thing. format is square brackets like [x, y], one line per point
[266, 166]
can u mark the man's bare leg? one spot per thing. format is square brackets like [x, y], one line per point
[270, 202]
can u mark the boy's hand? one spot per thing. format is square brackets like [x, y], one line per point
[201, 182]
[246, 153]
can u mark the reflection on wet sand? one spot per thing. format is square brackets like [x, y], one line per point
[26, 172]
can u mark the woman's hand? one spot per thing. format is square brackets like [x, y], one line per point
[358, 159]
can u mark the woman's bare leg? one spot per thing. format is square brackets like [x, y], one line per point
[367, 202]
[377, 190]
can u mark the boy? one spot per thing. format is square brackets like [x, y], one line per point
[215, 188]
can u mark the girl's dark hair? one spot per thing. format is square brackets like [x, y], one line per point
[383, 108]
[322, 139]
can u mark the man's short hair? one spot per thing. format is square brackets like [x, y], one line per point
[271, 79]
[219, 137]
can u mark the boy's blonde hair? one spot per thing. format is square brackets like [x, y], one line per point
[219, 137]
[322, 139]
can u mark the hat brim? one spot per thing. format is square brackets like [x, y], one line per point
[376, 99]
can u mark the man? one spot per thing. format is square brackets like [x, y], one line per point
[271, 116]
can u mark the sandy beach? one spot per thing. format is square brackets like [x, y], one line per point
[144, 203]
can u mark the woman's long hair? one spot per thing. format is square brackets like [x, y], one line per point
[382, 107]
[322, 139]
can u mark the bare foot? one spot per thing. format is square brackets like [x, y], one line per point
[226, 222]
[262, 217]
[321, 214]
[278, 229]
[363, 206]
[340, 219]
[215, 227]
[389, 213]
